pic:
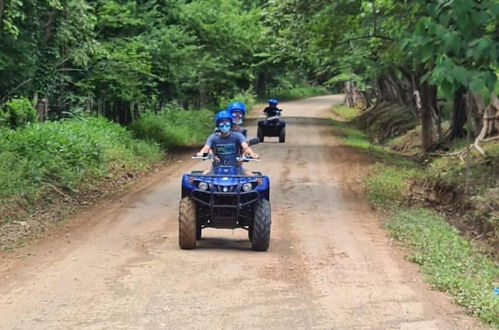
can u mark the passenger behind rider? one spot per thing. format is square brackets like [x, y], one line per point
[238, 111]
[272, 109]
[227, 145]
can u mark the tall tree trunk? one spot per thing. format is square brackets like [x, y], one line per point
[474, 110]
[490, 126]
[41, 106]
[358, 99]
[377, 90]
[411, 95]
[1, 8]
[385, 91]
[48, 27]
[395, 91]
[260, 85]
[127, 112]
[491, 118]
[458, 114]
[349, 94]
[428, 114]
[367, 96]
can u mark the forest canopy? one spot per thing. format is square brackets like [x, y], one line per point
[122, 57]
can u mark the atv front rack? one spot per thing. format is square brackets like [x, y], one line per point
[214, 201]
[218, 201]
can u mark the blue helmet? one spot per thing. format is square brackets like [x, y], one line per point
[237, 106]
[273, 101]
[223, 114]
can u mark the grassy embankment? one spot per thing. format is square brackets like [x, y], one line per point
[448, 259]
[44, 163]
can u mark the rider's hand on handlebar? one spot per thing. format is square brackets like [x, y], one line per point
[254, 155]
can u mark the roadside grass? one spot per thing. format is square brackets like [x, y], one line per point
[387, 185]
[174, 128]
[66, 153]
[346, 113]
[450, 262]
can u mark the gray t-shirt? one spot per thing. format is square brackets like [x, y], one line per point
[227, 148]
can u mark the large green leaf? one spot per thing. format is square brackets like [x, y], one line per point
[461, 75]
[477, 85]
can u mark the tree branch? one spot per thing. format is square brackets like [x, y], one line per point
[57, 190]
[466, 150]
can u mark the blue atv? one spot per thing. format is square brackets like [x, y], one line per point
[272, 126]
[225, 199]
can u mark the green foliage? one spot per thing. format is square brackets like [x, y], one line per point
[357, 40]
[17, 113]
[449, 261]
[247, 97]
[294, 93]
[386, 185]
[119, 58]
[344, 77]
[66, 153]
[455, 41]
[174, 128]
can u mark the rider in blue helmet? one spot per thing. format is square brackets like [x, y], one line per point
[227, 145]
[222, 119]
[272, 109]
[238, 111]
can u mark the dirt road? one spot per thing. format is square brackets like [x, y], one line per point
[329, 266]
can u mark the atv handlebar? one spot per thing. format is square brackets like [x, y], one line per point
[205, 156]
[247, 159]
[243, 158]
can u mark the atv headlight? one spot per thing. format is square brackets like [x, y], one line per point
[203, 186]
[247, 187]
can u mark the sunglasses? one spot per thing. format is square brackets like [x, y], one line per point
[225, 123]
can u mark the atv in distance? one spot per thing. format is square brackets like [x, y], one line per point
[272, 126]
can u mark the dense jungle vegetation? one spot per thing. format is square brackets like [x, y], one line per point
[122, 58]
